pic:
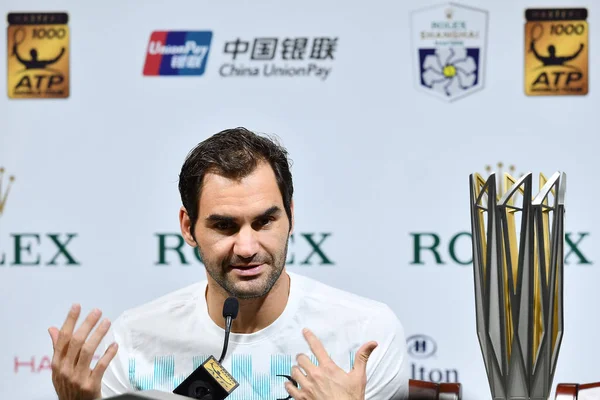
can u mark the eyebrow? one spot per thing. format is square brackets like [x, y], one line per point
[269, 212]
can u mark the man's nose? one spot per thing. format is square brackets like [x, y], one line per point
[246, 243]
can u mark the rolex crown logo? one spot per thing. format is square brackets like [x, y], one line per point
[4, 192]
[504, 178]
[449, 13]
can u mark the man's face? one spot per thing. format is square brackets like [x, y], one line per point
[242, 231]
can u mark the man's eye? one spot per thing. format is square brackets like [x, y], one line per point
[223, 226]
[265, 221]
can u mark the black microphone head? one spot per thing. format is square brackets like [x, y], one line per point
[231, 308]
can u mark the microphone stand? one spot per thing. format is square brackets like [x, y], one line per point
[211, 381]
[228, 322]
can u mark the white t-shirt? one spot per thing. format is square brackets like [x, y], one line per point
[163, 341]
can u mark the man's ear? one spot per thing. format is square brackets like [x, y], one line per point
[186, 227]
[292, 219]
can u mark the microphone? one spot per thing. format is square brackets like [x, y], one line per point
[210, 381]
[230, 312]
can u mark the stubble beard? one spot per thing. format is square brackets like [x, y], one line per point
[217, 272]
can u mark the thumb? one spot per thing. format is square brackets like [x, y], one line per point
[53, 335]
[362, 356]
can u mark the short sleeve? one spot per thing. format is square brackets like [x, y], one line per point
[116, 376]
[387, 367]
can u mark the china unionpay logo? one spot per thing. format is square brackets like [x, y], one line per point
[38, 55]
[556, 52]
[449, 45]
[177, 53]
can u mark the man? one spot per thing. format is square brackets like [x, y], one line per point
[236, 189]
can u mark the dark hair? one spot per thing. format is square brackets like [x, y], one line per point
[235, 154]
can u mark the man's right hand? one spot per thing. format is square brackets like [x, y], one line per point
[72, 376]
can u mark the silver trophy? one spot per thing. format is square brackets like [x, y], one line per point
[518, 260]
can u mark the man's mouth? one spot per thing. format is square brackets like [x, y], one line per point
[247, 269]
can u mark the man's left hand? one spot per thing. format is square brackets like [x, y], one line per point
[328, 381]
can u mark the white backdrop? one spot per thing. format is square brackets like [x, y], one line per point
[377, 163]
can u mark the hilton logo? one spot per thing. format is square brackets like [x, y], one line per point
[423, 347]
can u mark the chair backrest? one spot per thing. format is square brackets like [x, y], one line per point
[574, 391]
[424, 390]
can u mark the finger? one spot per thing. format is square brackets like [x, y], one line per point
[66, 332]
[299, 377]
[89, 348]
[80, 336]
[54, 332]
[362, 356]
[316, 346]
[103, 363]
[293, 391]
[305, 363]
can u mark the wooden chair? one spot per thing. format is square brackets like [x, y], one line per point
[574, 391]
[423, 390]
